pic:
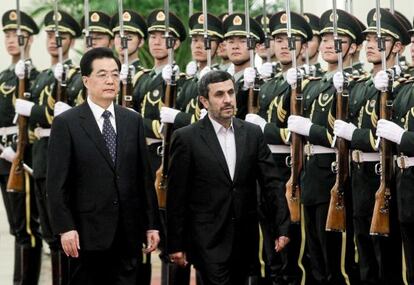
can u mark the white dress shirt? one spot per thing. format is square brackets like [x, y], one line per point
[227, 143]
[98, 111]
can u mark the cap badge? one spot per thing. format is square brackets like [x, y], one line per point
[283, 18]
[126, 16]
[160, 16]
[237, 21]
[95, 17]
[200, 19]
[13, 16]
[59, 17]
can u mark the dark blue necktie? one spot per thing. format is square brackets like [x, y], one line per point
[109, 134]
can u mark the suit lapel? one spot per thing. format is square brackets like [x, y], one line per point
[88, 123]
[240, 139]
[209, 136]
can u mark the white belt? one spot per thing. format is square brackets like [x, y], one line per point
[41, 132]
[311, 149]
[405, 161]
[9, 131]
[359, 156]
[151, 141]
[275, 148]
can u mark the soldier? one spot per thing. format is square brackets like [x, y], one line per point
[187, 106]
[237, 50]
[269, 66]
[101, 36]
[379, 257]
[328, 264]
[40, 111]
[274, 109]
[148, 95]
[314, 69]
[225, 63]
[357, 65]
[20, 206]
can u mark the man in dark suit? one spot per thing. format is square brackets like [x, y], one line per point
[101, 193]
[212, 218]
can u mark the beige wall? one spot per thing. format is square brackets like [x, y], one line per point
[41, 60]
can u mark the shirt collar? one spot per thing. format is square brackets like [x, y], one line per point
[98, 110]
[218, 127]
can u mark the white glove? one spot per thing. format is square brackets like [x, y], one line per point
[8, 154]
[60, 107]
[338, 81]
[204, 71]
[292, 76]
[230, 70]
[19, 69]
[344, 130]
[123, 74]
[257, 120]
[167, 72]
[249, 76]
[381, 80]
[58, 72]
[397, 69]
[24, 107]
[390, 131]
[266, 70]
[299, 125]
[167, 115]
[203, 113]
[191, 68]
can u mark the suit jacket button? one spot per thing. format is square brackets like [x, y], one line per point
[115, 202]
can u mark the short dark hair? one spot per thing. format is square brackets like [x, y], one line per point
[214, 76]
[96, 53]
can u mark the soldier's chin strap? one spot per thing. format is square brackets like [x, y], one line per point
[390, 52]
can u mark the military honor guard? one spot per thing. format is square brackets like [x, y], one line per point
[40, 111]
[21, 209]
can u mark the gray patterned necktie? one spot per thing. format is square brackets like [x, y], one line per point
[109, 135]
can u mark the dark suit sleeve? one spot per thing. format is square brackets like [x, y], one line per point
[179, 173]
[268, 182]
[151, 197]
[57, 180]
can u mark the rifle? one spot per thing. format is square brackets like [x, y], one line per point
[336, 219]
[126, 88]
[169, 101]
[16, 179]
[230, 6]
[295, 161]
[88, 38]
[253, 98]
[380, 223]
[60, 84]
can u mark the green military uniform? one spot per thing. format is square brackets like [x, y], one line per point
[148, 96]
[234, 25]
[43, 94]
[187, 99]
[313, 20]
[99, 22]
[20, 207]
[326, 249]
[403, 115]
[274, 107]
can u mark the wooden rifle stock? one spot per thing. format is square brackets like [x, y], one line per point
[293, 190]
[253, 98]
[16, 176]
[380, 224]
[336, 219]
[127, 92]
[161, 174]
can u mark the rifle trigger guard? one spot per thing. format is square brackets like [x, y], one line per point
[378, 168]
[288, 161]
[334, 166]
[160, 150]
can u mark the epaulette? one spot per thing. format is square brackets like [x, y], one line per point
[72, 71]
[183, 74]
[139, 74]
[305, 82]
[409, 80]
[313, 78]
[364, 77]
[398, 82]
[278, 74]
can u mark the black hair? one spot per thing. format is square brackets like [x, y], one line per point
[96, 53]
[214, 76]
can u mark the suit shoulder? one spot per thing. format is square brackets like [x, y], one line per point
[249, 126]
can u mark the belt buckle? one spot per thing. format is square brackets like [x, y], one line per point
[308, 149]
[401, 161]
[357, 156]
